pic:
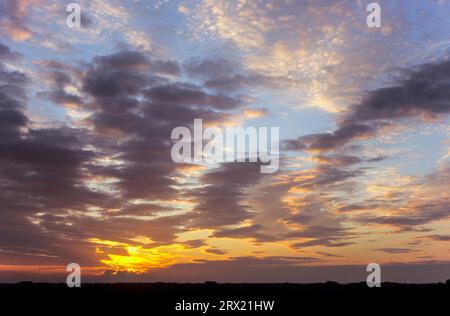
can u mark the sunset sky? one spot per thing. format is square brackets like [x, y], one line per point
[86, 116]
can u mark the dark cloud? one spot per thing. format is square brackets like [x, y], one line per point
[338, 160]
[227, 75]
[329, 141]
[135, 60]
[43, 173]
[423, 92]
[428, 205]
[12, 99]
[114, 83]
[252, 231]
[87, 20]
[396, 250]
[61, 76]
[13, 18]
[221, 201]
[133, 102]
[144, 209]
[325, 176]
[416, 216]
[321, 235]
[41, 178]
[211, 68]
[439, 237]
[327, 254]
[316, 223]
[66, 99]
[358, 207]
[232, 83]
[194, 243]
[123, 60]
[7, 54]
[188, 95]
[216, 251]
[316, 193]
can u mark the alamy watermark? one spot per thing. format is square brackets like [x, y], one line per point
[374, 278]
[227, 144]
[374, 17]
[74, 17]
[74, 277]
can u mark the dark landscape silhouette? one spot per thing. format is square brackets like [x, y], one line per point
[289, 299]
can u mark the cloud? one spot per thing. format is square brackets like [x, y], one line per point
[195, 243]
[93, 181]
[221, 200]
[191, 96]
[12, 19]
[327, 236]
[424, 92]
[336, 58]
[111, 171]
[216, 251]
[226, 75]
[439, 237]
[427, 203]
[329, 141]
[252, 231]
[211, 68]
[7, 54]
[42, 172]
[337, 159]
[396, 250]
[323, 176]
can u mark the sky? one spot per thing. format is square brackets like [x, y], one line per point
[86, 116]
